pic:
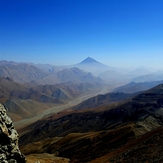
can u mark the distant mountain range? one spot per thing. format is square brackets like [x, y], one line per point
[27, 73]
[113, 127]
[137, 87]
[24, 86]
[149, 77]
[51, 74]
[21, 98]
[117, 75]
[21, 72]
[139, 72]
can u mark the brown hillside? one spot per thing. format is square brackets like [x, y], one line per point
[99, 135]
[21, 72]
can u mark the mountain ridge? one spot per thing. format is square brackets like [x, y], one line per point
[100, 131]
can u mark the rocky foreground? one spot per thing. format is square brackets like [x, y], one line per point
[9, 150]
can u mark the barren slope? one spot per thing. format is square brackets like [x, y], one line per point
[102, 135]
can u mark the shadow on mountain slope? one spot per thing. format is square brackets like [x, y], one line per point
[100, 135]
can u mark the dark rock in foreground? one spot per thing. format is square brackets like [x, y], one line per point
[9, 150]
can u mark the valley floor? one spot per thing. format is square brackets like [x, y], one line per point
[22, 123]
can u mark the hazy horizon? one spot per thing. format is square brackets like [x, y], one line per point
[120, 33]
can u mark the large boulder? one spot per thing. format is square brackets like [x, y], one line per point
[9, 150]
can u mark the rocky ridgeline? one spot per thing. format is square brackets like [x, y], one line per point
[9, 150]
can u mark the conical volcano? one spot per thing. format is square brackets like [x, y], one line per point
[89, 60]
[91, 65]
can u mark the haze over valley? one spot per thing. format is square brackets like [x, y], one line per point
[81, 81]
[80, 103]
[69, 110]
[25, 87]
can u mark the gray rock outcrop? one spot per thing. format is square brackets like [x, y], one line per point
[9, 150]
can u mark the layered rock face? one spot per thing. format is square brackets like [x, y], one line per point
[9, 150]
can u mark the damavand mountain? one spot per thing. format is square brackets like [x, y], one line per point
[87, 112]
[93, 66]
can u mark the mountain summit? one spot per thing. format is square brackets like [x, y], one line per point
[89, 60]
[91, 65]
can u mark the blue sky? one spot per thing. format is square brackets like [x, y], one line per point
[115, 32]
